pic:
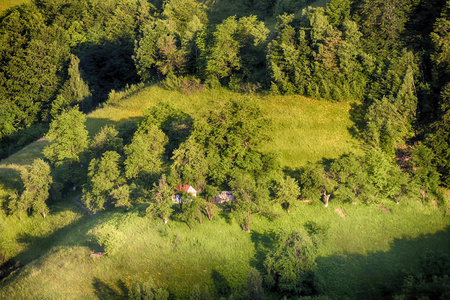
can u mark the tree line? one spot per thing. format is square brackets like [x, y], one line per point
[399, 82]
[390, 56]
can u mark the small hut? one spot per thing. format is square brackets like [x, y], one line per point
[183, 188]
[224, 196]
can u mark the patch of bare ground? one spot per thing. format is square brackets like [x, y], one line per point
[340, 212]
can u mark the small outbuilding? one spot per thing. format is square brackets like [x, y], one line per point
[183, 188]
[224, 196]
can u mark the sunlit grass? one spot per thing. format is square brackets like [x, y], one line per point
[358, 252]
[217, 254]
[5, 4]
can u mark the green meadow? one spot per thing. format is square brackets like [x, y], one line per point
[5, 4]
[366, 251]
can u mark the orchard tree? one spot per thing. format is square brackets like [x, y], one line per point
[386, 176]
[175, 123]
[353, 183]
[424, 171]
[161, 204]
[106, 139]
[189, 165]
[144, 156]
[36, 181]
[106, 183]
[68, 137]
[230, 137]
[287, 192]
[251, 196]
[289, 265]
[316, 181]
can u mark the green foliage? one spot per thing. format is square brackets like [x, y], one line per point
[353, 181]
[383, 23]
[162, 203]
[106, 139]
[173, 121]
[68, 137]
[287, 192]
[106, 183]
[255, 289]
[385, 175]
[439, 139]
[191, 212]
[231, 136]
[181, 13]
[74, 91]
[316, 181]
[146, 291]
[290, 264]
[189, 165]
[144, 156]
[322, 60]
[392, 104]
[424, 170]
[109, 237]
[33, 55]
[232, 47]
[36, 181]
[338, 11]
[433, 282]
[251, 196]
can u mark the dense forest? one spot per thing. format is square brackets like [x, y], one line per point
[61, 59]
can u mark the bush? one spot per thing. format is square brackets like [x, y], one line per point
[109, 237]
[290, 265]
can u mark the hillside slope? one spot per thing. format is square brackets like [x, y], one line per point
[53, 254]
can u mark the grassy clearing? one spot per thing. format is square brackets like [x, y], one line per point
[365, 252]
[5, 4]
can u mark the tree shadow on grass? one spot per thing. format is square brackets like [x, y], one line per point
[221, 284]
[74, 234]
[378, 275]
[105, 290]
[357, 112]
[264, 242]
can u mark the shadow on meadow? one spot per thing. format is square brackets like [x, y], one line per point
[105, 290]
[378, 275]
[74, 234]
[264, 243]
[221, 283]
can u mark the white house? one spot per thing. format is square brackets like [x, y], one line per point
[186, 188]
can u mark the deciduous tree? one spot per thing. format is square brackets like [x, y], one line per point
[36, 181]
[68, 137]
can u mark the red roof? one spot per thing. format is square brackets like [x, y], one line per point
[183, 187]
